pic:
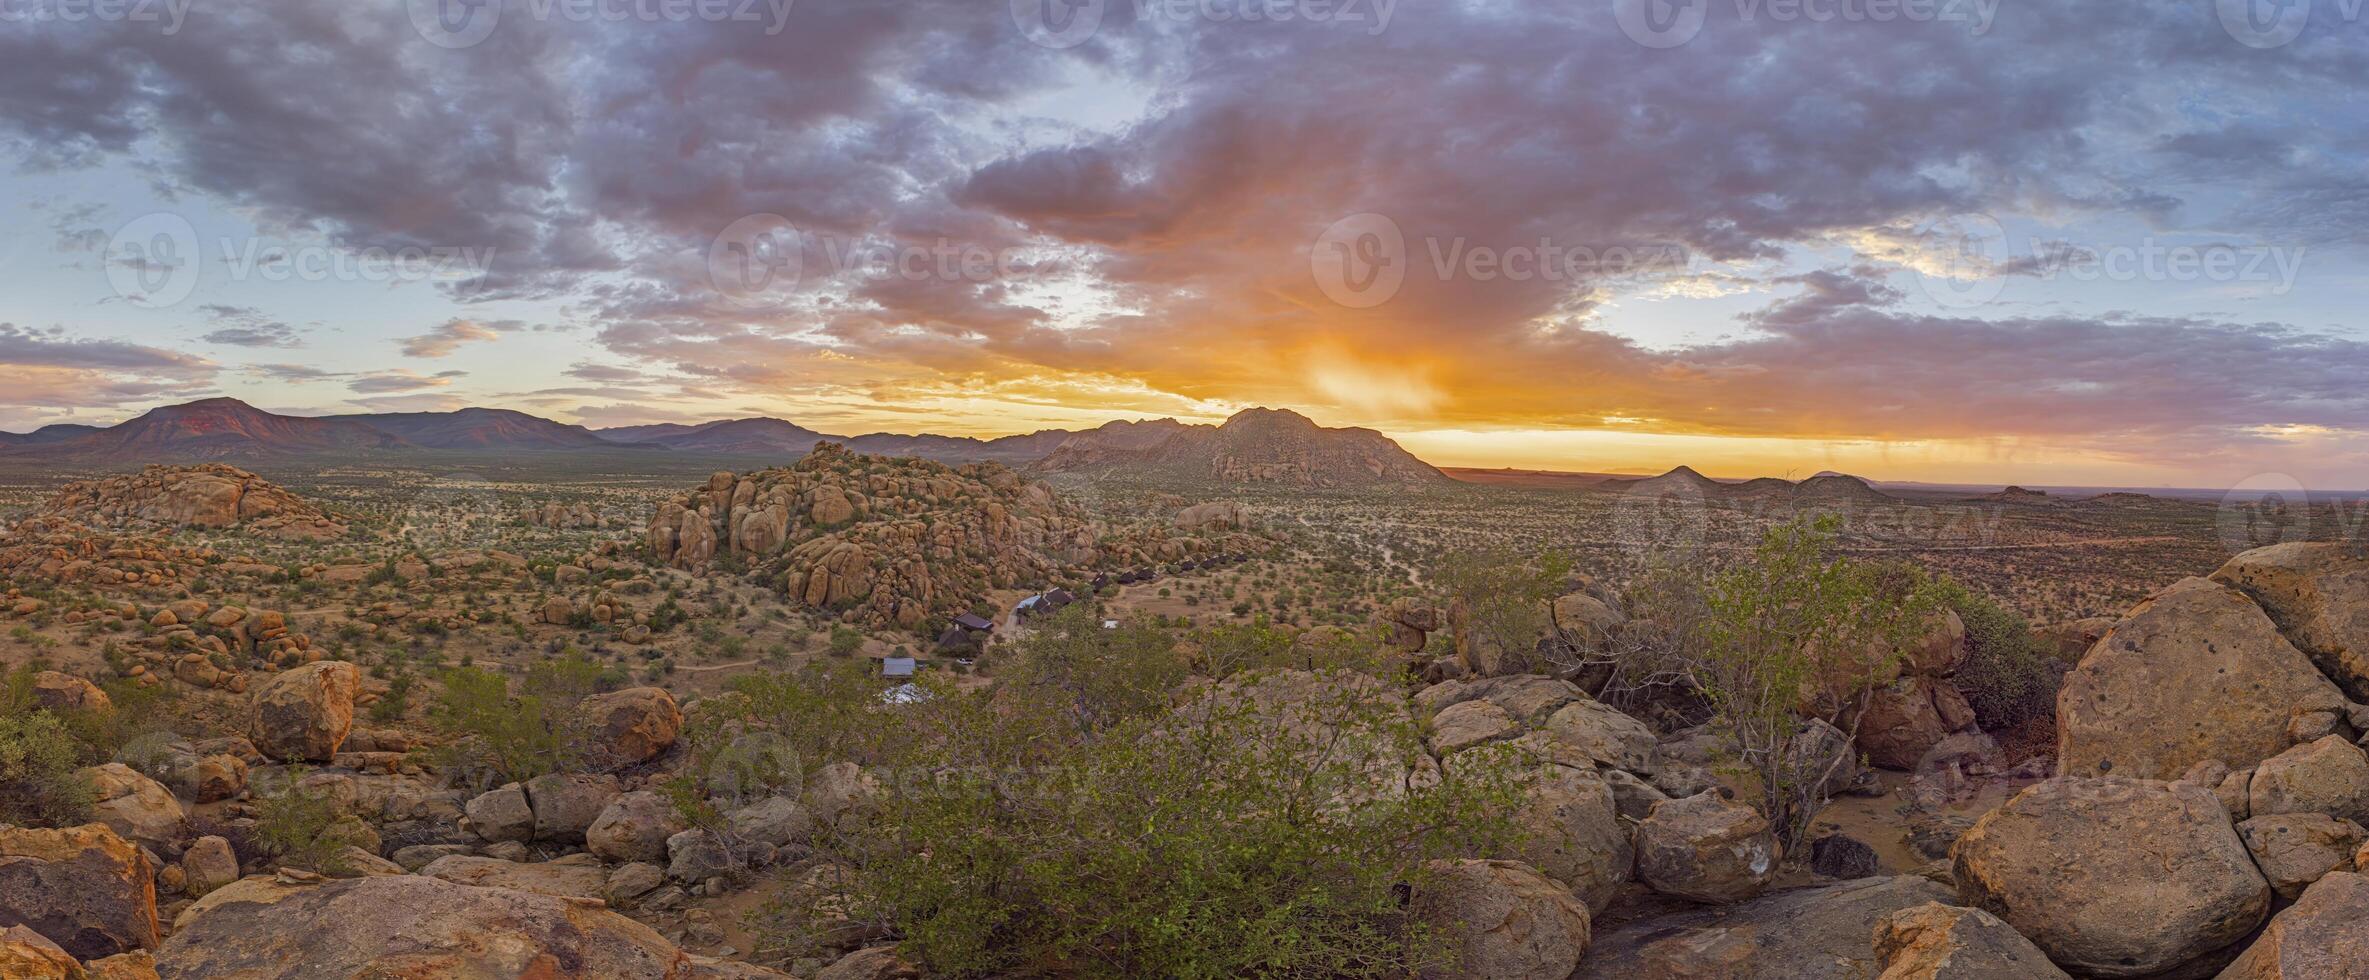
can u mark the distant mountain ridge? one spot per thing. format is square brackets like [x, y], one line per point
[1826, 487]
[1258, 445]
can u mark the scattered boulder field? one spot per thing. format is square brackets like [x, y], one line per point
[2201, 815]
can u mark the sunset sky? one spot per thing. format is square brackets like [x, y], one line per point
[2062, 242]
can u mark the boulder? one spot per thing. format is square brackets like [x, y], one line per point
[2195, 672]
[1501, 920]
[774, 820]
[1846, 858]
[632, 880]
[66, 692]
[2113, 877]
[305, 713]
[137, 965]
[2318, 593]
[1706, 848]
[2295, 849]
[566, 804]
[574, 876]
[1905, 719]
[501, 814]
[1585, 621]
[694, 856]
[2323, 936]
[870, 963]
[1821, 933]
[1942, 942]
[1598, 733]
[630, 726]
[1940, 650]
[2328, 776]
[262, 928]
[1572, 833]
[86, 888]
[634, 827]
[137, 807]
[208, 864]
[28, 955]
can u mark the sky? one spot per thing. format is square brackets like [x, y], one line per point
[1981, 241]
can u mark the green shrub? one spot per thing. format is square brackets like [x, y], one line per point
[37, 761]
[517, 736]
[298, 827]
[2009, 677]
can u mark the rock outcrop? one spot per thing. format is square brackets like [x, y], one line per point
[207, 495]
[892, 541]
[2318, 594]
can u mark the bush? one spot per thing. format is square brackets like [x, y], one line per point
[518, 737]
[2009, 677]
[37, 762]
[299, 828]
[1075, 814]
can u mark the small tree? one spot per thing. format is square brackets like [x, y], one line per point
[1795, 631]
[1506, 599]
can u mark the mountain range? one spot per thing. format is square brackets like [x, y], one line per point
[1255, 446]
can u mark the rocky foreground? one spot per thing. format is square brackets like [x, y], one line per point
[2203, 815]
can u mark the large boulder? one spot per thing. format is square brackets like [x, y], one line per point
[137, 807]
[404, 926]
[2328, 776]
[630, 726]
[2196, 672]
[1501, 920]
[1706, 848]
[2114, 877]
[1554, 718]
[634, 827]
[85, 888]
[1943, 942]
[208, 864]
[1823, 933]
[2318, 593]
[2323, 936]
[306, 713]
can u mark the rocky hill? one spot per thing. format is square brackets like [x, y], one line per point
[208, 495]
[876, 539]
[1256, 446]
[215, 428]
[479, 428]
[1822, 489]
